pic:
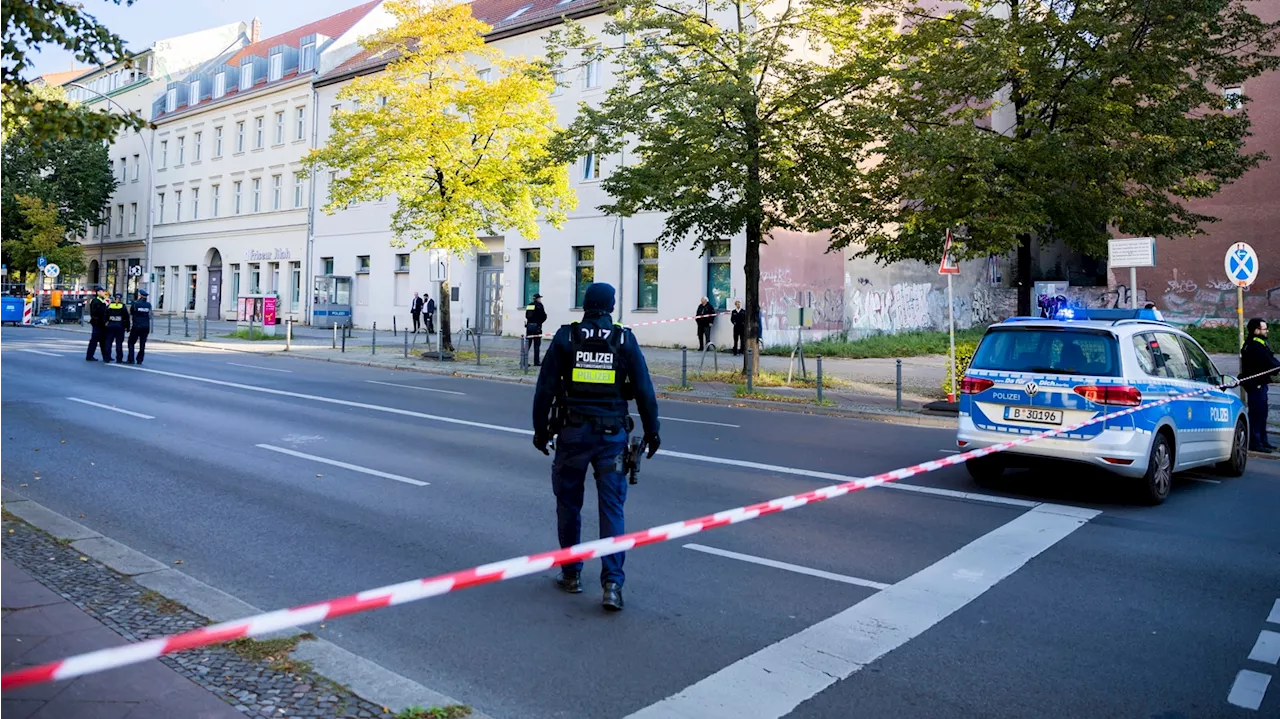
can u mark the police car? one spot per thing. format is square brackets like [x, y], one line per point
[1032, 374]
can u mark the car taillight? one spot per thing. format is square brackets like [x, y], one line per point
[974, 385]
[1111, 394]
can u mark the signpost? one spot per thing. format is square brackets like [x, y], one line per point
[1132, 252]
[949, 268]
[1241, 264]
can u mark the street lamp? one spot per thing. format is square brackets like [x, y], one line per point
[151, 188]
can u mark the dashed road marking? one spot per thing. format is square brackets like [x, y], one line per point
[1248, 689]
[113, 409]
[1267, 648]
[344, 465]
[822, 574]
[410, 386]
[264, 369]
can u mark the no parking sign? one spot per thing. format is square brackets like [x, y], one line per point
[1241, 264]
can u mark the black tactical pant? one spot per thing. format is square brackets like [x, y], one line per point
[138, 336]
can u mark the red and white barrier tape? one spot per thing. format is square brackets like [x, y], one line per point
[417, 589]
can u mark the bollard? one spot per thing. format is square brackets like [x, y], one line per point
[186, 326]
[819, 379]
[406, 345]
[750, 379]
[373, 339]
[684, 367]
[478, 333]
[393, 325]
[344, 342]
[169, 330]
[898, 404]
[288, 334]
[335, 335]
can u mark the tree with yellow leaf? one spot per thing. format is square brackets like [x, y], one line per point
[462, 155]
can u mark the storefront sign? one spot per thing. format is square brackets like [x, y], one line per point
[276, 254]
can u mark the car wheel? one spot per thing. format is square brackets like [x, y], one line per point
[1234, 466]
[985, 470]
[1159, 477]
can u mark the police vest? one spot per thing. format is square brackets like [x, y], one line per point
[595, 368]
[115, 313]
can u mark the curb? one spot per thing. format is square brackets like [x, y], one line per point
[363, 677]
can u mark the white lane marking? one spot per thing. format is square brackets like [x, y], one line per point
[254, 366]
[1274, 617]
[344, 465]
[934, 491]
[38, 352]
[695, 421]
[949, 451]
[1248, 689]
[113, 409]
[787, 566]
[1267, 648]
[775, 680]
[409, 386]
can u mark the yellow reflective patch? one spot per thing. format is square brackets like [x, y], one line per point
[593, 376]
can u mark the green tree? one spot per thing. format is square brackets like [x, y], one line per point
[41, 235]
[736, 116]
[1064, 119]
[31, 24]
[463, 156]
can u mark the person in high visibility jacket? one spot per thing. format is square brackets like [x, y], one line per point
[1257, 361]
[117, 325]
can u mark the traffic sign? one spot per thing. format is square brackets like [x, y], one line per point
[135, 271]
[41, 262]
[1132, 252]
[1241, 264]
[51, 271]
[948, 266]
[437, 265]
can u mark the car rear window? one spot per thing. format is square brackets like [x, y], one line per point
[1048, 350]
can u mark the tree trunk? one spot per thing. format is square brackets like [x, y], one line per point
[752, 271]
[446, 333]
[1024, 275]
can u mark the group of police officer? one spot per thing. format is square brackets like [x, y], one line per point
[110, 319]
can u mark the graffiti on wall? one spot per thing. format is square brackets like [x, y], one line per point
[797, 271]
[906, 306]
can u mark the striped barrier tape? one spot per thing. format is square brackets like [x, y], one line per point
[418, 589]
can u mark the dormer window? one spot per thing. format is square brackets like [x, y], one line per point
[220, 84]
[193, 93]
[308, 61]
[246, 76]
[171, 100]
[276, 68]
[518, 13]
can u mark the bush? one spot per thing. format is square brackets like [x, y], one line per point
[964, 355]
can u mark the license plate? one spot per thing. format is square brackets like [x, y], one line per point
[1033, 414]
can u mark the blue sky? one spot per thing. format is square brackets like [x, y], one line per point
[149, 20]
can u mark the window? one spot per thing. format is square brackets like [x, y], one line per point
[402, 262]
[160, 278]
[719, 274]
[192, 277]
[257, 133]
[584, 273]
[240, 136]
[195, 149]
[217, 197]
[297, 189]
[295, 284]
[276, 68]
[1052, 351]
[124, 169]
[647, 276]
[177, 205]
[276, 184]
[307, 62]
[193, 93]
[219, 85]
[274, 268]
[236, 193]
[591, 167]
[300, 123]
[171, 100]
[592, 75]
[195, 203]
[160, 213]
[246, 77]
[1233, 97]
[362, 264]
[182, 149]
[255, 279]
[557, 75]
[532, 274]
[136, 165]
[279, 127]
[164, 154]
[235, 284]
[133, 218]
[120, 219]
[1202, 368]
[1160, 355]
[326, 265]
[217, 142]
[484, 74]
[257, 194]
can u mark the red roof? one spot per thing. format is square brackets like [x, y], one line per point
[332, 26]
[57, 78]
[495, 13]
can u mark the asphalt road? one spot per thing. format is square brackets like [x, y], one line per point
[1054, 596]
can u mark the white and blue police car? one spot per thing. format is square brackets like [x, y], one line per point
[1032, 374]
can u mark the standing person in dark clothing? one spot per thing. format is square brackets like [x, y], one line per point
[704, 323]
[98, 326]
[140, 316]
[534, 315]
[431, 314]
[1256, 358]
[592, 368]
[738, 318]
[117, 325]
[415, 309]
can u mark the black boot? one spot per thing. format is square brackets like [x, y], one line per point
[612, 597]
[570, 582]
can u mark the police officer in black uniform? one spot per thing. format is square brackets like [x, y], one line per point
[98, 326]
[534, 315]
[140, 314]
[1258, 361]
[591, 369]
[117, 325]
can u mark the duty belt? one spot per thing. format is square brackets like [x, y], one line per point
[609, 425]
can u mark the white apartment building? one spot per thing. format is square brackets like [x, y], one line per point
[491, 288]
[232, 209]
[119, 242]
